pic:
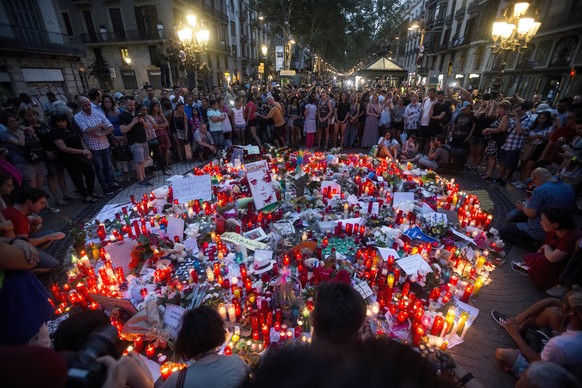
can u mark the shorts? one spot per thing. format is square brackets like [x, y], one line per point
[31, 171]
[509, 158]
[279, 132]
[521, 364]
[252, 123]
[323, 124]
[491, 149]
[54, 167]
[240, 128]
[139, 151]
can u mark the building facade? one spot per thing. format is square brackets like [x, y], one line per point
[126, 33]
[456, 49]
[37, 52]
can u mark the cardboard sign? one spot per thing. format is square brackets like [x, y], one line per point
[108, 212]
[173, 319]
[120, 253]
[109, 304]
[400, 197]
[192, 187]
[238, 239]
[260, 182]
[175, 228]
[412, 264]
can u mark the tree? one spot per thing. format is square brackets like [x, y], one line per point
[341, 31]
[99, 69]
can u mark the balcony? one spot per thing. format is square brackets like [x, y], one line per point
[125, 36]
[460, 13]
[449, 19]
[208, 9]
[473, 6]
[244, 39]
[218, 46]
[39, 41]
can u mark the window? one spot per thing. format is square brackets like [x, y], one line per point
[124, 55]
[233, 50]
[232, 29]
[154, 60]
[146, 18]
[89, 24]
[67, 21]
[117, 23]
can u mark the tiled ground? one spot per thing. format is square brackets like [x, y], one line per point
[509, 291]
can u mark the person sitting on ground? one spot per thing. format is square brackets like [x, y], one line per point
[547, 264]
[388, 146]
[409, 149]
[523, 224]
[27, 223]
[338, 315]
[205, 147]
[201, 334]
[564, 349]
[437, 155]
[546, 374]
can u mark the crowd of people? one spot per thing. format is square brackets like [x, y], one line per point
[116, 138]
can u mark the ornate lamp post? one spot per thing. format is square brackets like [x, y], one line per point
[512, 33]
[194, 36]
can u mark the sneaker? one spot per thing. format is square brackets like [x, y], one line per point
[520, 267]
[53, 209]
[557, 291]
[144, 183]
[499, 318]
[115, 185]
[108, 190]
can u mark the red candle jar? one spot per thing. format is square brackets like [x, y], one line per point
[467, 293]
[150, 351]
[437, 325]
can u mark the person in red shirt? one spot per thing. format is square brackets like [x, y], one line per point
[26, 225]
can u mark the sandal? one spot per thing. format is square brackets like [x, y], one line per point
[90, 199]
[62, 203]
[96, 195]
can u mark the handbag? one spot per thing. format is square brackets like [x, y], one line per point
[154, 142]
[527, 150]
[226, 126]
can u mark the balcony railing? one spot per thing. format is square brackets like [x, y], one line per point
[125, 36]
[449, 19]
[39, 41]
[473, 6]
[460, 13]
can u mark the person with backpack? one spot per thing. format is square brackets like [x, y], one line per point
[438, 154]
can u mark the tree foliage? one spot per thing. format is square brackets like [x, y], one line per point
[341, 31]
[99, 69]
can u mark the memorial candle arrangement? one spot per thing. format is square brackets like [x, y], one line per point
[208, 243]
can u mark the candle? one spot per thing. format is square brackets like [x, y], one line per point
[450, 318]
[304, 236]
[465, 330]
[462, 321]
[150, 351]
[231, 313]
[417, 335]
[209, 274]
[477, 286]
[222, 311]
[467, 293]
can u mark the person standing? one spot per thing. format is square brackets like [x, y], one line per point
[276, 113]
[95, 128]
[371, 133]
[423, 135]
[164, 64]
[411, 117]
[133, 125]
[324, 113]
[310, 112]
[150, 97]
[216, 123]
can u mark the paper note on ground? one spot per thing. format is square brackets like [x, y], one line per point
[412, 264]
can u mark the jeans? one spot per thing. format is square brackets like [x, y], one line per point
[102, 163]
[218, 137]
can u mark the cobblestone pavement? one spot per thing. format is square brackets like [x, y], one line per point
[508, 292]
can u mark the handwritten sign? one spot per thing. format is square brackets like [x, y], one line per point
[413, 264]
[120, 253]
[109, 210]
[173, 319]
[386, 252]
[240, 240]
[175, 228]
[109, 304]
[192, 187]
[400, 197]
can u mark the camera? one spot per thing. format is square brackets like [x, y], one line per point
[83, 369]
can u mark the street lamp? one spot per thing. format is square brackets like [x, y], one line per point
[193, 36]
[127, 60]
[512, 33]
[515, 30]
[264, 50]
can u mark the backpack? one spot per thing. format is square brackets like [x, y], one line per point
[457, 157]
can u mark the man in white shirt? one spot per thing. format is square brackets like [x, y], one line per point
[427, 103]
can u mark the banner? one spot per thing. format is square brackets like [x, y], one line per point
[279, 58]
